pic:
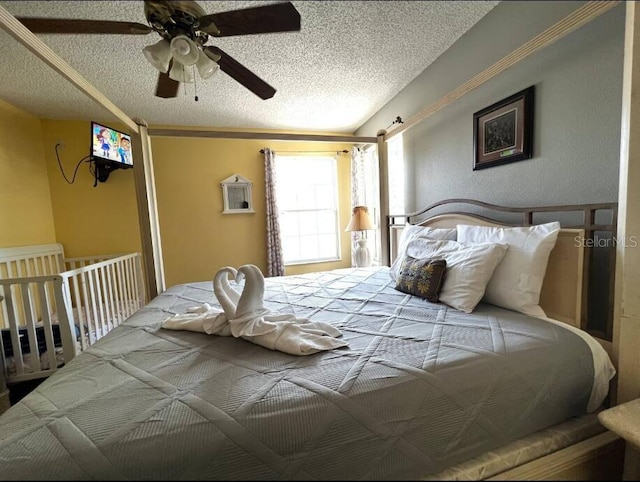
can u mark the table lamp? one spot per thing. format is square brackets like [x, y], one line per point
[361, 221]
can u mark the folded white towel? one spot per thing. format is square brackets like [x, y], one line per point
[244, 316]
[282, 332]
[203, 319]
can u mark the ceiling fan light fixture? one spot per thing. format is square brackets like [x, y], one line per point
[181, 73]
[184, 50]
[206, 67]
[158, 55]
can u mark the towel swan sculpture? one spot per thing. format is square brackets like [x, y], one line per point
[244, 316]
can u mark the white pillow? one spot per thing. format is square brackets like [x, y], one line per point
[517, 282]
[469, 268]
[411, 232]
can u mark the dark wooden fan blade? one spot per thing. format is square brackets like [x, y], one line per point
[240, 73]
[280, 17]
[75, 26]
[166, 87]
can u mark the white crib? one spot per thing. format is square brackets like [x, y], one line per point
[54, 307]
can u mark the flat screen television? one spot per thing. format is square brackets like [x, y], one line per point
[110, 147]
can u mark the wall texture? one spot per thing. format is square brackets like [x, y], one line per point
[578, 83]
[26, 215]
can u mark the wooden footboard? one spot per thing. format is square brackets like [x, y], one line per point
[596, 458]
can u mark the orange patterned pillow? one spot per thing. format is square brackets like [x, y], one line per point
[421, 277]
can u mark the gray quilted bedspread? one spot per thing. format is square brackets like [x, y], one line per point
[420, 388]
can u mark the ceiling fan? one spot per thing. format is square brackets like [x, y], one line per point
[185, 28]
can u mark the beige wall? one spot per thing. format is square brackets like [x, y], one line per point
[89, 220]
[25, 205]
[197, 239]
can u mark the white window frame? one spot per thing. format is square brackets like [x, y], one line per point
[335, 209]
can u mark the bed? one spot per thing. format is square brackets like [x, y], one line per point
[422, 390]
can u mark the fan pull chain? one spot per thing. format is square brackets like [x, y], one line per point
[195, 85]
[184, 84]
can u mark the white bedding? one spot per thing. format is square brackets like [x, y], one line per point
[603, 368]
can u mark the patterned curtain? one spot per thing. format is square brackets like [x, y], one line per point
[357, 177]
[357, 190]
[275, 263]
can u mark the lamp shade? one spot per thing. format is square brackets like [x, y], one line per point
[206, 67]
[360, 220]
[184, 50]
[159, 55]
[180, 73]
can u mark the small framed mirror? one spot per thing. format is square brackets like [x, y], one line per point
[236, 195]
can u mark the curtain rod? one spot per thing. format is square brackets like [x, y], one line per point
[344, 151]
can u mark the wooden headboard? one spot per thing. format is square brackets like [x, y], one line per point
[564, 295]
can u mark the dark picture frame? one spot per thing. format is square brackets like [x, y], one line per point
[503, 132]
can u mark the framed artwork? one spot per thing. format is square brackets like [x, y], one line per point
[503, 131]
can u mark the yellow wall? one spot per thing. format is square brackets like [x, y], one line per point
[25, 205]
[89, 220]
[197, 239]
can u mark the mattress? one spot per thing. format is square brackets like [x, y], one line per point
[420, 388]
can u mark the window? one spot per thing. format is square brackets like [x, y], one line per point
[307, 194]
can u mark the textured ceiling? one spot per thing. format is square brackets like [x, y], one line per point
[349, 59]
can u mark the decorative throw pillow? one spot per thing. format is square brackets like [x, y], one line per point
[412, 232]
[421, 277]
[517, 281]
[469, 268]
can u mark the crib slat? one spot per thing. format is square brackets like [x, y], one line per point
[37, 264]
[46, 325]
[91, 316]
[5, 317]
[127, 288]
[30, 322]
[6, 293]
[111, 300]
[99, 321]
[75, 280]
[67, 331]
[94, 310]
[121, 291]
[129, 296]
[59, 262]
[104, 300]
[112, 303]
[12, 288]
[13, 330]
[132, 291]
[85, 306]
[102, 304]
